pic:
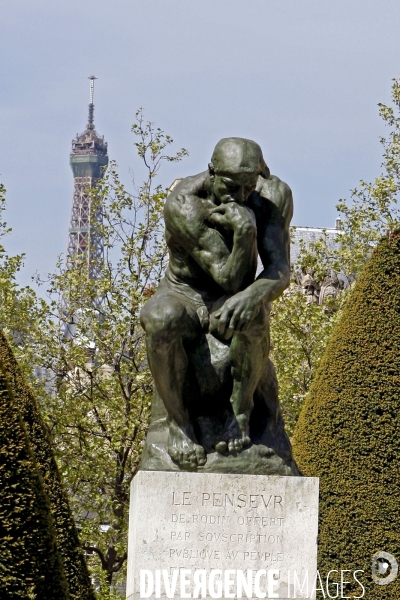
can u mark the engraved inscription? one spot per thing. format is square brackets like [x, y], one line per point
[220, 521]
[181, 499]
[248, 525]
[241, 500]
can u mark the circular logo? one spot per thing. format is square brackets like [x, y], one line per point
[384, 568]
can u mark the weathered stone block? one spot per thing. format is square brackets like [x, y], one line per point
[223, 521]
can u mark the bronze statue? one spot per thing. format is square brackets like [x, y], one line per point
[207, 325]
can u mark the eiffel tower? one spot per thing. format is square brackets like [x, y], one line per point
[88, 159]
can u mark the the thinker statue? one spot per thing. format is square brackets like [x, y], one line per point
[207, 326]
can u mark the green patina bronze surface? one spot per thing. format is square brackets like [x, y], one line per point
[216, 406]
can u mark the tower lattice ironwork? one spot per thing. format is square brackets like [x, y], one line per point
[88, 159]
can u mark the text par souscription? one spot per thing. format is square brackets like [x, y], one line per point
[231, 583]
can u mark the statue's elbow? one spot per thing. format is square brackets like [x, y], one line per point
[282, 281]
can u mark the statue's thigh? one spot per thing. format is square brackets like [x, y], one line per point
[258, 329]
[250, 348]
[170, 313]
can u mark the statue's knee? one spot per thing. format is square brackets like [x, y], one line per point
[163, 321]
[147, 315]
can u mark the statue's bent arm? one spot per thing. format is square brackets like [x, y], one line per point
[274, 241]
[190, 224]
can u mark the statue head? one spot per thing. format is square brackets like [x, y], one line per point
[235, 166]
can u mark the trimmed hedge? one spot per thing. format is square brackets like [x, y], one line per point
[30, 564]
[348, 433]
[74, 564]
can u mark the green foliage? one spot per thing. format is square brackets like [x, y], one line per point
[301, 331]
[66, 534]
[99, 415]
[21, 317]
[372, 210]
[30, 564]
[104, 590]
[348, 433]
[21, 311]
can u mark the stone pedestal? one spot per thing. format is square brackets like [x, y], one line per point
[215, 521]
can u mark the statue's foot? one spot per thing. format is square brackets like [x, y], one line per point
[238, 435]
[183, 451]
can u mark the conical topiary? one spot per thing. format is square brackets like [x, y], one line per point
[30, 564]
[80, 587]
[348, 433]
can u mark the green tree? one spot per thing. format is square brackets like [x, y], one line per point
[372, 210]
[300, 331]
[99, 414]
[21, 317]
[74, 565]
[21, 311]
[349, 430]
[30, 562]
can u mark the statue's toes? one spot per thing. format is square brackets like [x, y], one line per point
[246, 441]
[174, 454]
[188, 459]
[238, 445]
[221, 447]
[178, 456]
[234, 446]
[183, 460]
[201, 457]
[193, 462]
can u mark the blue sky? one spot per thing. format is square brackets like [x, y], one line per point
[301, 77]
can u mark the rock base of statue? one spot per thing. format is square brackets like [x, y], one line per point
[258, 459]
[258, 527]
[211, 413]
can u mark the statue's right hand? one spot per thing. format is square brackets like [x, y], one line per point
[235, 314]
[234, 216]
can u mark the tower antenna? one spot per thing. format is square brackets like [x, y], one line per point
[91, 105]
